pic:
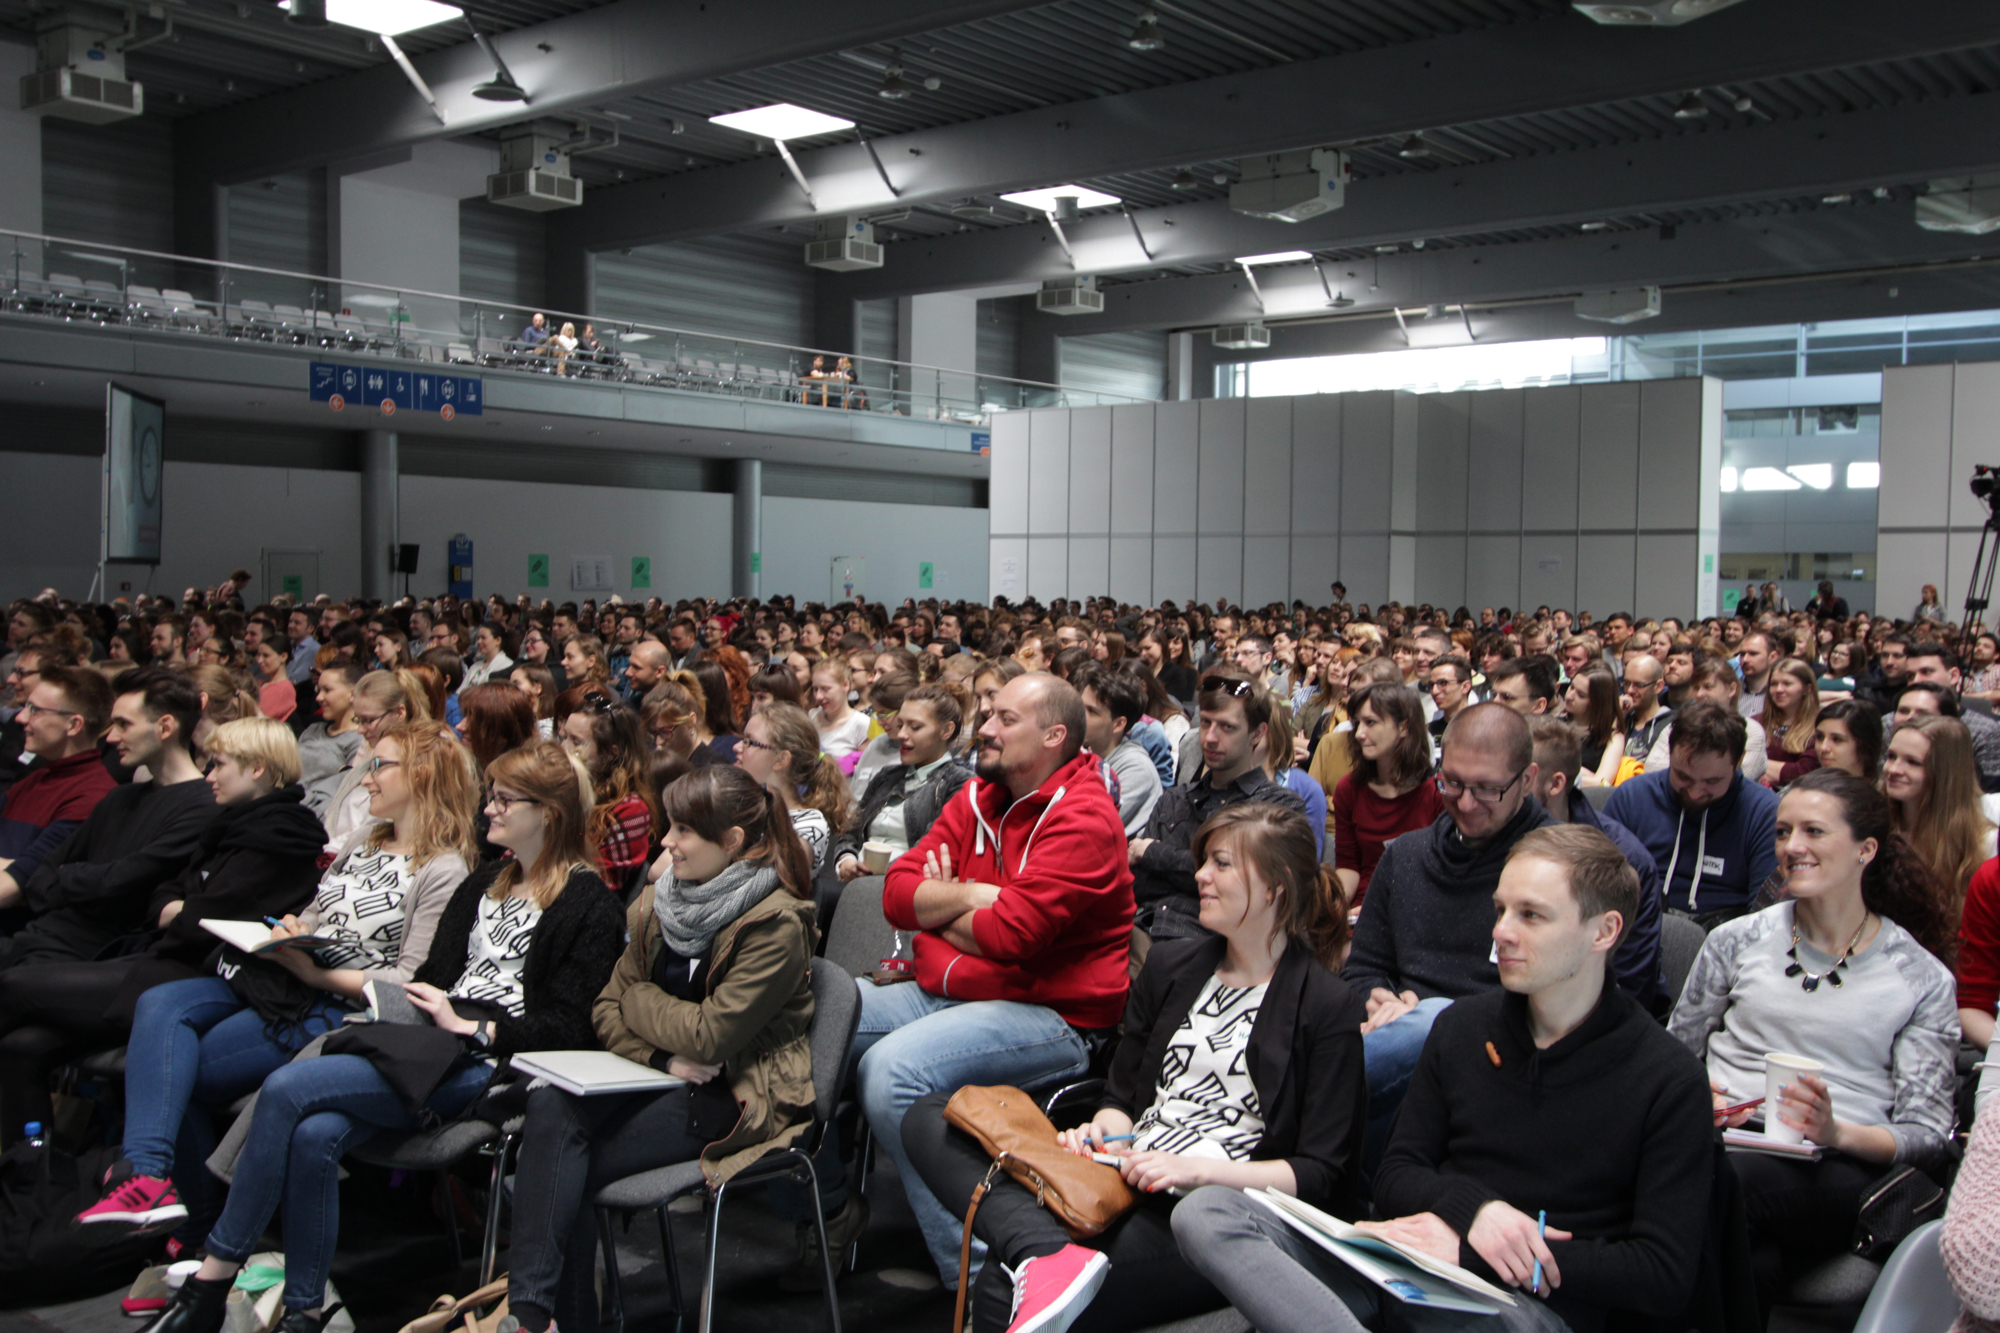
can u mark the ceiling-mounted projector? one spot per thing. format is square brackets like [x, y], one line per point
[80, 70]
[1624, 307]
[1241, 337]
[844, 245]
[1649, 13]
[1070, 296]
[1291, 187]
[534, 171]
[1968, 204]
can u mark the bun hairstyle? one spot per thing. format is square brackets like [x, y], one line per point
[821, 784]
[1896, 884]
[1278, 844]
[559, 785]
[713, 800]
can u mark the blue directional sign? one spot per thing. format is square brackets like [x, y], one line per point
[409, 390]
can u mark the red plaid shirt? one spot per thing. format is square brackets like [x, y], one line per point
[628, 836]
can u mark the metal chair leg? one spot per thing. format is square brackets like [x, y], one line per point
[671, 1259]
[609, 1244]
[819, 1230]
[489, 1248]
[451, 1220]
[708, 1268]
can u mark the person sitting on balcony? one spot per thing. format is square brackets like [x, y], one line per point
[537, 332]
[563, 346]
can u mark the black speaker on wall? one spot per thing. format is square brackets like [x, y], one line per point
[406, 559]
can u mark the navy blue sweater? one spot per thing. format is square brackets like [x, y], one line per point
[1711, 860]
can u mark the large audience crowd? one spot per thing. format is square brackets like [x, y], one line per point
[1370, 906]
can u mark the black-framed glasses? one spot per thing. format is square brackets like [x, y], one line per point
[376, 763]
[1240, 689]
[1452, 787]
[501, 801]
[757, 745]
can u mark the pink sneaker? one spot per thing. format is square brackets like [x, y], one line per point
[140, 1203]
[1050, 1292]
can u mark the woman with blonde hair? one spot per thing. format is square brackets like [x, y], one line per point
[1932, 783]
[1789, 715]
[781, 750]
[382, 699]
[842, 729]
[225, 697]
[585, 663]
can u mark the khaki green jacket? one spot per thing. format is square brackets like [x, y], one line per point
[754, 1021]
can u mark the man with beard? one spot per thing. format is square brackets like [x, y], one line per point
[1022, 901]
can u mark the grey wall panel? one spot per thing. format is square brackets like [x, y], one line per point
[1316, 464]
[1367, 423]
[1089, 566]
[1176, 460]
[1606, 569]
[1669, 470]
[1267, 570]
[1608, 460]
[999, 344]
[112, 184]
[1048, 567]
[1548, 570]
[1441, 569]
[1219, 501]
[1315, 565]
[1402, 567]
[1132, 570]
[1131, 471]
[502, 253]
[1916, 448]
[1493, 464]
[1665, 578]
[1173, 570]
[1218, 567]
[1404, 456]
[1492, 572]
[1364, 567]
[1048, 471]
[728, 286]
[1007, 494]
[1007, 567]
[1133, 364]
[1090, 470]
[279, 222]
[1548, 461]
[1267, 466]
[1975, 438]
[1443, 432]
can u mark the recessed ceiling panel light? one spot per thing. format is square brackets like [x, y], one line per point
[1045, 199]
[781, 120]
[390, 18]
[1275, 257]
[1594, 226]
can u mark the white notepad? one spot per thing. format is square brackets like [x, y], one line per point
[591, 1073]
[1412, 1277]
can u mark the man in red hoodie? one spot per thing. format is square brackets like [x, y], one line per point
[1023, 900]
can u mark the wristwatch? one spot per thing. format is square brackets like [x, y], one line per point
[483, 1034]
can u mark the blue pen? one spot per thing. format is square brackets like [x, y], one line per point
[1541, 1231]
[272, 921]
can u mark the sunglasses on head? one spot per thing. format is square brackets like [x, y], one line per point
[598, 702]
[1240, 689]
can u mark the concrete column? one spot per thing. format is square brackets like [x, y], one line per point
[381, 526]
[746, 532]
[21, 163]
[397, 226]
[1180, 368]
[939, 331]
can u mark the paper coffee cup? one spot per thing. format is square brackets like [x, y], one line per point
[876, 856]
[1779, 1071]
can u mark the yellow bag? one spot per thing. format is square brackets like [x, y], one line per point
[1628, 769]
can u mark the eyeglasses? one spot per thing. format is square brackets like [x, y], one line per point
[757, 745]
[376, 763]
[1452, 787]
[1240, 689]
[30, 709]
[501, 801]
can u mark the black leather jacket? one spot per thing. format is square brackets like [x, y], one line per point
[920, 808]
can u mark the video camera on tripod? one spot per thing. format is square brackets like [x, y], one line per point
[1979, 593]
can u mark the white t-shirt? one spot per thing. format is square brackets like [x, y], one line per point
[811, 826]
[361, 903]
[1207, 1105]
[843, 738]
[497, 951]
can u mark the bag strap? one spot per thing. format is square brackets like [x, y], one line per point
[979, 1192]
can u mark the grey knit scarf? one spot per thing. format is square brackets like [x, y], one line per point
[692, 915]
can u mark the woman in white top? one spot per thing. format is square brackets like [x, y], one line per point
[562, 346]
[842, 730]
[491, 658]
[781, 750]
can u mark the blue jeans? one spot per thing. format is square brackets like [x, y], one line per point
[308, 1114]
[1390, 1054]
[195, 1049]
[912, 1043]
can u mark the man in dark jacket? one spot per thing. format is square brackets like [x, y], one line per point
[1235, 712]
[1485, 1150]
[94, 888]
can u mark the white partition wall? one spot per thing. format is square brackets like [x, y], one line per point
[1599, 496]
[1937, 423]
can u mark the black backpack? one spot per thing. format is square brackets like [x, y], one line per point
[44, 1255]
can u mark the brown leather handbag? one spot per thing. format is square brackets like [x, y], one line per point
[1085, 1196]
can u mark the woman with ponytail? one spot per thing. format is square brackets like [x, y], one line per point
[1273, 1097]
[1846, 972]
[712, 988]
[781, 750]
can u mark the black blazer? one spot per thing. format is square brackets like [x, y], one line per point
[1305, 1062]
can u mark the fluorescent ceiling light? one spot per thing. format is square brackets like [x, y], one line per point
[1819, 476]
[1275, 257]
[1769, 479]
[390, 18]
[1045, 199]
[1864, 476]
[781, 120]
[1729, 479]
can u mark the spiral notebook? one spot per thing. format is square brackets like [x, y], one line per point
[593, 1073]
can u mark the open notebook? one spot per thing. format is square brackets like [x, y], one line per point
[1411, 1276]
[591, 1073]
[255, 936]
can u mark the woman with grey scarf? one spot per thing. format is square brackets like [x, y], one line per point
[712, 989]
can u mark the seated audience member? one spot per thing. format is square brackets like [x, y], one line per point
[257, 857]
[1485, 1144]
[328, 745]
[1279, 761]
[1932, 663]
[1847, 735]
[1715, 680]
[521, 952]
[1022, 958]
[713, 988]
[492, 656]
[774, 683]
[1526, 685]
[1590, 700]
[885, 698]
[671, 713]
[1790, 716]
[539, 684]
[1978, 963]
[1234, 713]
[781, 751]
[382, 700]
[904, 799]
[1558, 759]
[67, 710]
[1239, 1066]
[1845, 972]
[1388, 790]
[1113, 704]
[1425, 938]
[1706, 824]
[607, 739]
[842, 729]
[1647, 716]
[1970, 1242]
[199, 1045]
[721, 715]
[646, 665]
[92, 890]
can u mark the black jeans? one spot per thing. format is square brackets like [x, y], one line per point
[50, 1012]
[1800, 1213]
[1149, 1283]
[572, 1147]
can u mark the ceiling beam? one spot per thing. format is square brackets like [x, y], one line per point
[1787, 160]
[618, 50]
[1833, 242]
[1460, 79]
